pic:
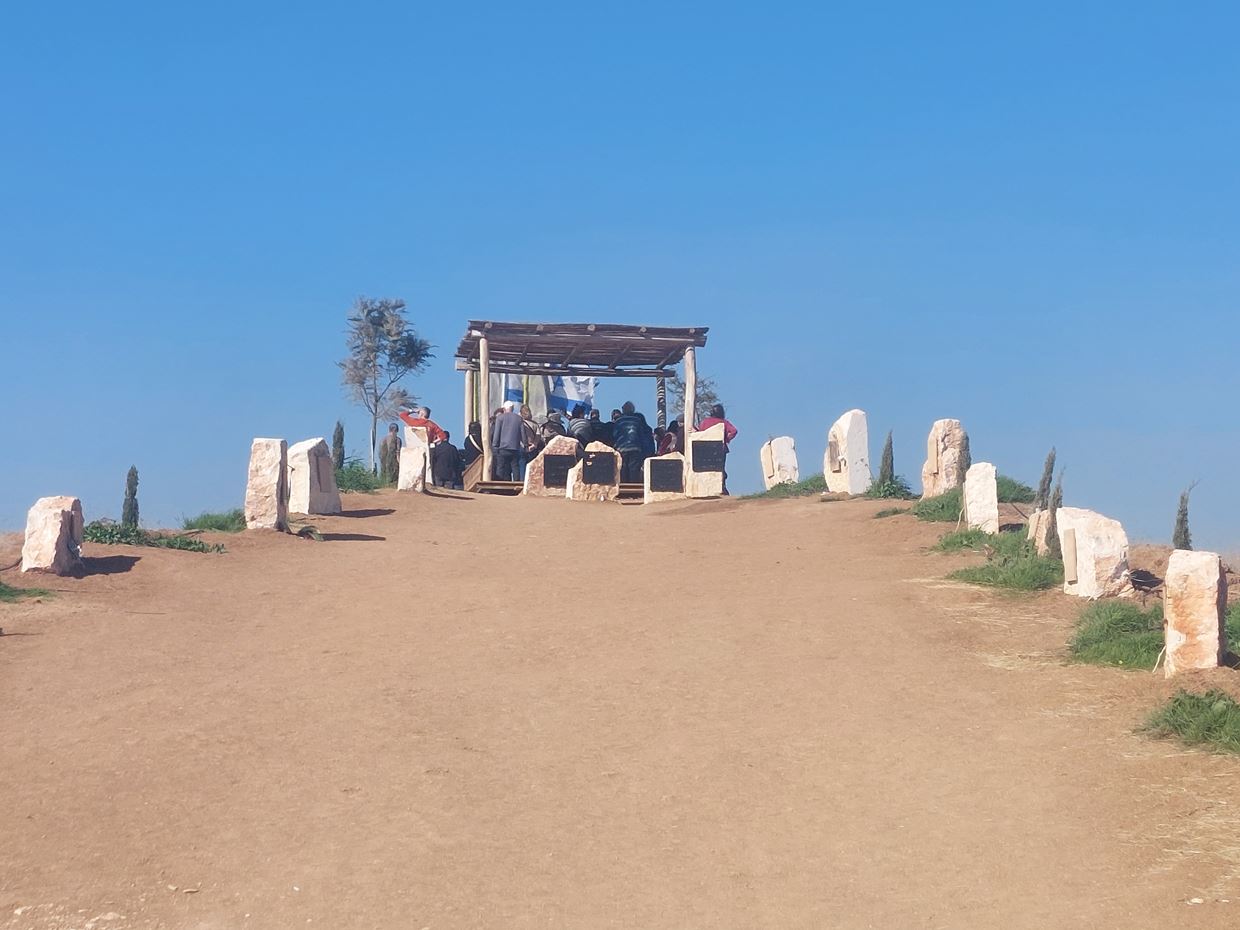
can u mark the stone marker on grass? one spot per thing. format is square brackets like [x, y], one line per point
[846, 464]
[312, 478]
[266, 488]
[596, 477]
[981, 498]
[53, 541]
[1194, 611]
[1095, 553]
[707, 455]
[546, 475]
[947, 458]
[779, 461]
[414, 461]
[663, 478]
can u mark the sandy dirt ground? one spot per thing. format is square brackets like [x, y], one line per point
[500, 712]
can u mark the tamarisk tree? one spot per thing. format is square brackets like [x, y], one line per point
[383, 350]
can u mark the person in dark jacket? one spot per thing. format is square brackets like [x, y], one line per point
[507, 441]
[446, 465]
[579, 427]
[473, 444]
[634, 440]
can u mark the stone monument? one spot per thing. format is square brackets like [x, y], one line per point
[546, 475]
[707, 456]
[981, 498]
[312, 478]
[1194, 611]
[596, 477]
[415, 460]
[53, 542]
[779, 462]
[663, 478]
[1095, 553]
[846, 464]
[266, 489]
[947, 458]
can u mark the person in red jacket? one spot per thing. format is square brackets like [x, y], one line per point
[421, 416]
[729, 433]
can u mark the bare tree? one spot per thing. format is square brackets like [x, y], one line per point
[707, 397]
[383, 349]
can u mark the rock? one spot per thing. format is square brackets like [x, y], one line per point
[53, 536]
[415, 460]
[312, 478]
[596, 477]
[1036, 533]
[546, 475]
[266, 489]
[1194, 611]
[663, 478]
[981, 498]
[947, 458]
[1095, 553]
[707, 458]
[846, 464]
[779, 461]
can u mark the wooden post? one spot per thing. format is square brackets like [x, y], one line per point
[484, 396]
[690, 394]
[471, 380]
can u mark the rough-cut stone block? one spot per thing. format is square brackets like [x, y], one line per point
[981, 498]
[947, 458]
[312, 478]
[847, 462]
[596, 477]
[1036, 533]
[663, 478]
[1095, 553]
[779, 461]
[414, 461]
[704, 471]
[1194, 611]
[266, 489]
[53, 541]
[546, 475]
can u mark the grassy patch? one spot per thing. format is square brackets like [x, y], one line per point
[1012, 491]
[230, 521]
[116, 534]
[890, 512]
[1121, 634]
[355, 476]
[9, 594]
[942, 509]
[896, 489]
[1011, 562]
[965, 540]
[814, 484]
[1210, 719]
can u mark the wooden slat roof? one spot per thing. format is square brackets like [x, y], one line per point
[575, 346]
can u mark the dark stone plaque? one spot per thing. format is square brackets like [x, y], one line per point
[667, 475]
[599, 468]
[708, 455]
[555, 470]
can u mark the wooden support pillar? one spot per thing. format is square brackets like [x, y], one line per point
[484, 397]
[471, 382]
[690, 393]
[660, 402]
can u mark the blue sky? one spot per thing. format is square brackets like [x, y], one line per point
[1027, 218]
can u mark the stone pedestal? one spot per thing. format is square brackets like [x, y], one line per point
[312, 478]
[779, 462]
[596, 477]
[947, 458]
[266, 489]
[415, 460]
[1194, 611]
[981, 498]
[706, 459]
[846, 464]
[1095, 553]
[546, 475]
[53, 541]
[663, 478]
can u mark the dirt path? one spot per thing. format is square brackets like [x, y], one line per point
[373, 732]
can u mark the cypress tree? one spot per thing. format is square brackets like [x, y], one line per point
[338, 445]
[1053, 548]
[129, 511]
[966, 456]
[1044, 486]
[1181, 538]
[887, 469]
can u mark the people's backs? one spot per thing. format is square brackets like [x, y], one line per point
[508, 432]
[582, 430]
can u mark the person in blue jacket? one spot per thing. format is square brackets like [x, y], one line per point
[633, 438]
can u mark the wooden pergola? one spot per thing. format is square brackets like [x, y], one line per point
[599, 350]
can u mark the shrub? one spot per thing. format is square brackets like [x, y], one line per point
[356, 476]
[9, 594]
[895, 489]
[963, 540]
[945, 508]
[117, 534]
[814, 484]
[230, 521]
[1012, 491]
[129, 510]
[1211, 719]
[1011, 562]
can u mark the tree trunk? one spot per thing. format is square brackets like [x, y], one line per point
[374, 425]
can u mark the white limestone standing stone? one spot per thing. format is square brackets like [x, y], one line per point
[847, 462]
[53, 541]
[779, 461]
[1095, 553]
[699, 482]
[947, 458]
[536, 471]
[266, 489]
[415, 460]
[596, 455]
[981, 498]
[653, 496]
[312, 478]
[1194, 611]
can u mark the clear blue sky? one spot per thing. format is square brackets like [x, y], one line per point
[1027, 218]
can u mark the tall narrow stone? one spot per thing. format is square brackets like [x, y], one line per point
[414, 461]
[846, 464]
[981, 498]
[312, 478]
[1095, 553]
[1194, 611]
[947, 458]
[266, 489]
[53, 542]
[779, 461]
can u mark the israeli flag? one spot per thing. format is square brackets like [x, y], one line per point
[569, 391]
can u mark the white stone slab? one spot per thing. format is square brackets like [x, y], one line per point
[779, 461]
[981, 497]
[1194, 611]
[946, 458]
[847, 462]
[266, 488]
[578, 489]
[415, 460]
[703, 483]
[312, 478]
[653, 497]
[535, 472]
[53, 542]
[1095, 552]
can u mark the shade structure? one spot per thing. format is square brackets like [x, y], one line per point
[599, 349]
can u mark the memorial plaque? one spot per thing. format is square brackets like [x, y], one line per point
[708, 455]
[555, 470]
[599, 468]
[667, 476]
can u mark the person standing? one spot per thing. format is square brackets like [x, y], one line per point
[446, 464]
[580, 428]
[421, 416]
[507, 438]
[716, 417]
[389, 455]
[531, 441]
[634, 441]
[473, 444]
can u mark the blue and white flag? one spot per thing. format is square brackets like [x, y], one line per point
[570, 390]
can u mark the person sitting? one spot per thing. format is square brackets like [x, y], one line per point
[446, 465]
[507, 438]
[421, 416]
[634, 441]
[579, 427]
[716, 417]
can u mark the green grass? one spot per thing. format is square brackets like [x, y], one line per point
[9, 594]
[356, 476]
[963, 540]
[942, 509]
[896, 489]
[890, 512]
[1012, 491]
[1122, 634]
[814, 484]
[116, 534]
[1013, 562]
[230, 521]
[1210, 719]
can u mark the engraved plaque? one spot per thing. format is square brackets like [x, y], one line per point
[599, 468]
[555, 470]
[708, 455]
[667, 475]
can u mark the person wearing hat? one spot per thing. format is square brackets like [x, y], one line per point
[553, 427]
[507, 443]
